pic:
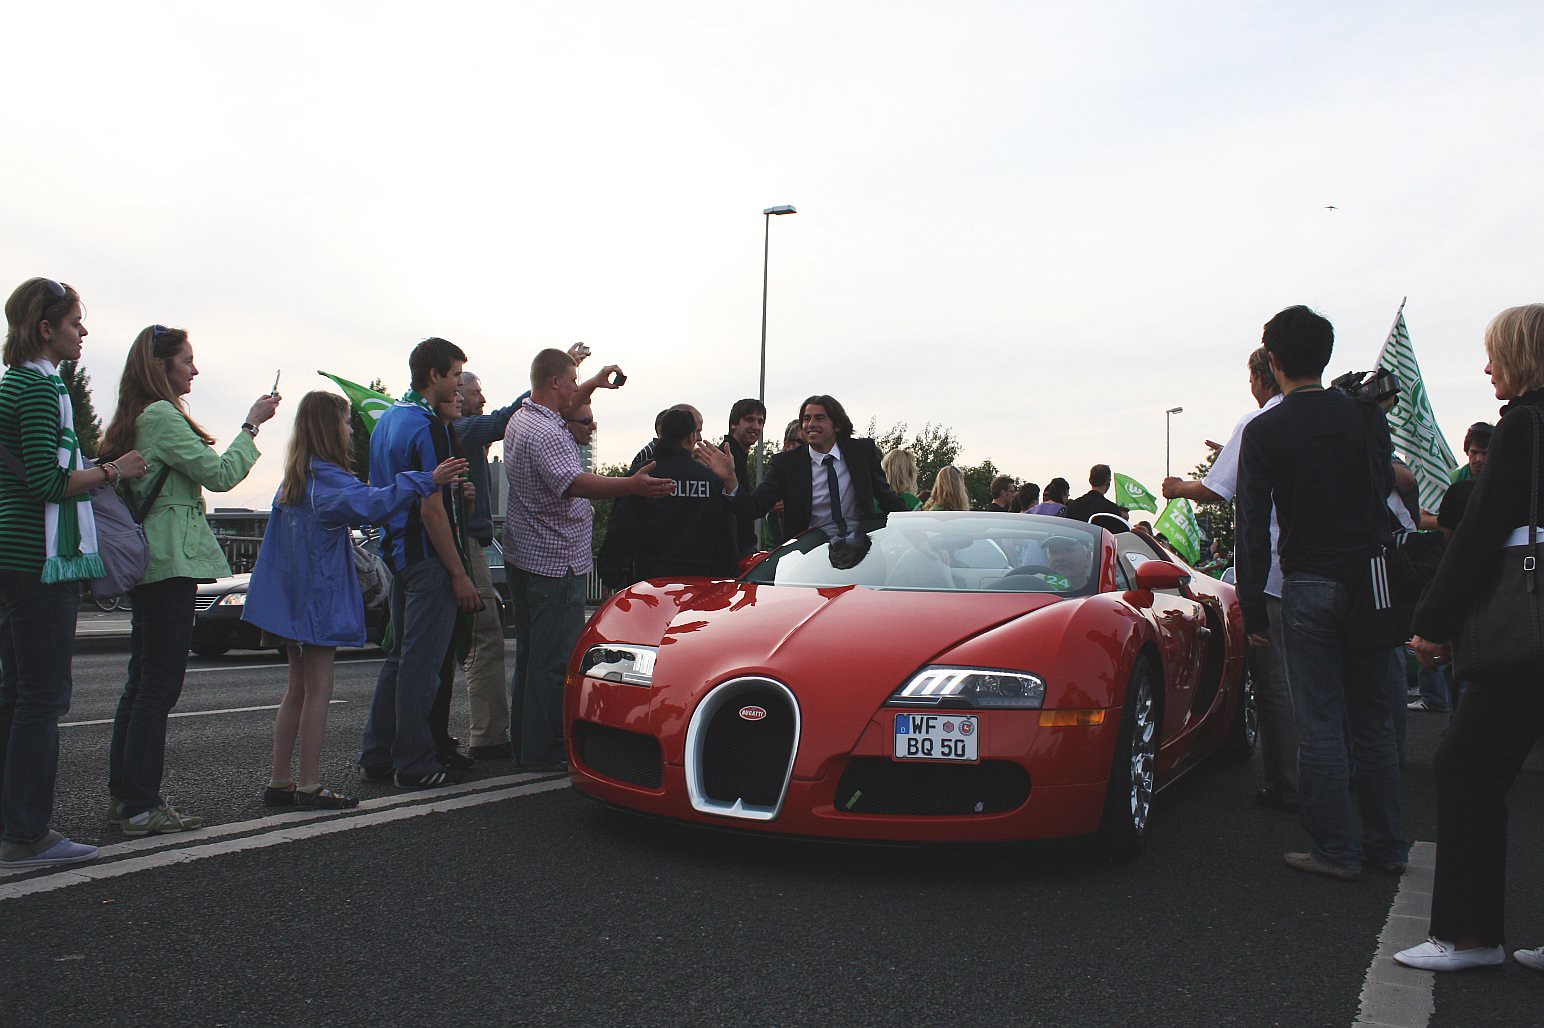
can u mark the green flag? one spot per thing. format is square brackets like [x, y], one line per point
[368, 403]
[1177, 524]
[1133, 495]
[1412, 423]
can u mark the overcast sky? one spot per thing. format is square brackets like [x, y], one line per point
[1038, 224]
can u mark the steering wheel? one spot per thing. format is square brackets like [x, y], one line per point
[1031, 569]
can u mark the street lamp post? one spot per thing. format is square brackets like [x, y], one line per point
[766, 244]
[1166, 434]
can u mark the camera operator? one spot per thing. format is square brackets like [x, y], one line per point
[1325, 464]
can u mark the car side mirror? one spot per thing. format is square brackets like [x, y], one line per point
[1153, 575]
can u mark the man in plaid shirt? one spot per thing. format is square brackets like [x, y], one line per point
[547, 552]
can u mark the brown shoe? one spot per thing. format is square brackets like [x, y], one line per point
[1314, 866]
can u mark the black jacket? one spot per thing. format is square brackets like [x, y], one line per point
[684, 535]
[789, 479]
[1091, 503]
[1498, 505]
[745, 523]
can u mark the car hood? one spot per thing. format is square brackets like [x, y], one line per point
[841, 651]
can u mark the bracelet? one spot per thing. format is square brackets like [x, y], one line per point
[249, 428]
[111, 471]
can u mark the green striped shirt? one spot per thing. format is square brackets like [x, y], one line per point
[29, 429]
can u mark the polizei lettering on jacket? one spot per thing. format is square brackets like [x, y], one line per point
[693, 488]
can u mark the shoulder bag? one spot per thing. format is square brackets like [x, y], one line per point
[121, 541]
[1502, 634]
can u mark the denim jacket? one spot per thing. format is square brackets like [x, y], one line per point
[304, 586]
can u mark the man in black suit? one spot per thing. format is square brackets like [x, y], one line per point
[831, 465]
[1094, 501]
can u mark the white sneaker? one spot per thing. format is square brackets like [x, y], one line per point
[1436, 955]
[1533, 959]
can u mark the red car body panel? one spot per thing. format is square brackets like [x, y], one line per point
[843, 651]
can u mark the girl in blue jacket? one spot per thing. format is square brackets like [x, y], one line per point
[304, 588]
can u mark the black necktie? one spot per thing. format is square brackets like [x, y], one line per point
[835, 493]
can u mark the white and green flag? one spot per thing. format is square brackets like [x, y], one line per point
[1133, 495]
[368, 403]
[1177, 524]
[1411, 422]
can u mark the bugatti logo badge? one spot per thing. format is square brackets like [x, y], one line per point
[966, 728]
[752, 713]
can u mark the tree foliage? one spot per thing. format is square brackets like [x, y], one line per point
[978, 482]
[359, 446]
[603, 507]
[1214, 518]
[88, 426]
[933, 446]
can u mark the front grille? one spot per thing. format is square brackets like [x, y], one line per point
[203, 602]
[876, 785]
[748, 760]
[624, 756]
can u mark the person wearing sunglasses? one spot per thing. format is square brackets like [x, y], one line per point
[47, 546]
[152, 416]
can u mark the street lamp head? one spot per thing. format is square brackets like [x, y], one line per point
[1175, 410]
[783, 209]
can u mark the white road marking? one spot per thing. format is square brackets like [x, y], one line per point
[290, 829]
[185, 713]
[277, 665]
[1395, 996]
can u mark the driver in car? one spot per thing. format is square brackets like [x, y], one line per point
[1070, 559]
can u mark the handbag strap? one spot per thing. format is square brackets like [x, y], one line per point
[138, 513]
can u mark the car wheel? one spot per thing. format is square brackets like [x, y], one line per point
[1129, 800]
[1244, 732]
[211, 649]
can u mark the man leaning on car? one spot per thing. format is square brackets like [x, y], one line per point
[1324, 462]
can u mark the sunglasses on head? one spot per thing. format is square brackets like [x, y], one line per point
[157, 331]
[57, 291]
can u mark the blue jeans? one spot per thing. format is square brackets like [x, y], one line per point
[1437, 687]
[549, 615]
[423, 618]
[158, 661]
[1339, 692]
[37, 642]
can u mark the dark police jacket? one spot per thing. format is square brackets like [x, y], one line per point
[687, 534]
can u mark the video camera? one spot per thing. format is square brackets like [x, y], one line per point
[1376, 385]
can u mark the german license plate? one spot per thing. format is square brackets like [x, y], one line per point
[936, 737]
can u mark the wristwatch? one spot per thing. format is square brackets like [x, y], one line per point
[249, 428]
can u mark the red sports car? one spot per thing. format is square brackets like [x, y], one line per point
[939, 676]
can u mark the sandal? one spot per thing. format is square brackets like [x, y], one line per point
[324, 799]
[279, 795]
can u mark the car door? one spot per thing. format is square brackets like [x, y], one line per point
[1182, 634]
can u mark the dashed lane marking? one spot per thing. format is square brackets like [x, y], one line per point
[288, 831]
[185, 713]
[1395, 996]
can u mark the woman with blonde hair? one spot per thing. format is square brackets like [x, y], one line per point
[304, 593]
[949, 492]
[47, 546]
[152, 417]
[1501, 713]
[900, 468]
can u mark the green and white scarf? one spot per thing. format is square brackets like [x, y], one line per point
[70, 538]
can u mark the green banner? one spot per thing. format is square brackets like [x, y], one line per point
[1412, 423]
[1178, 525]
[368, 403]
[1133, 495]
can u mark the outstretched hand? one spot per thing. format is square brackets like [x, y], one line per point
[645, 484]
[717, 461]
[450, 470]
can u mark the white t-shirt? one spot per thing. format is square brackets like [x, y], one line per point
[1223, 480]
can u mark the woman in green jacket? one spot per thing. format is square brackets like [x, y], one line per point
[151, 418]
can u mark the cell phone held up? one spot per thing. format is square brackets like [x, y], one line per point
[617, 379]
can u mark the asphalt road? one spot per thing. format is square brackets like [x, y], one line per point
[515, 900]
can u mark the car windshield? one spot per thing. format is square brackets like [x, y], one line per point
[944, 551]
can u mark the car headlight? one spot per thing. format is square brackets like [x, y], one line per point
[621, 662]
[232, 600]
[974, 687]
